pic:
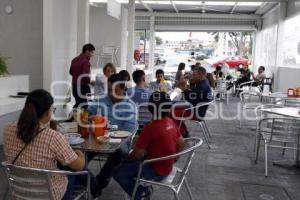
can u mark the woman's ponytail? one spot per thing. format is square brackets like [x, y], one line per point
[37, 103]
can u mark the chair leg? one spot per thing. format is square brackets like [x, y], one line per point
[204, 135]
[206, 128]
[266, 159]
[175, 195]
[188, 189]
[283, 150]
[257, 148]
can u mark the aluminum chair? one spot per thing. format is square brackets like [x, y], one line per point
[201, 122]
[178, 177]
[248, 86]
[292, 103]
[275, 131]
[144, 116]
[259, 115]
[34, 184]
[249, 100]
[221, 89]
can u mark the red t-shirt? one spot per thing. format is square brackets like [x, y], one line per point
[80, 66]
[159, 139]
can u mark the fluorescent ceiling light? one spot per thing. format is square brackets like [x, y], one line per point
[249, 3]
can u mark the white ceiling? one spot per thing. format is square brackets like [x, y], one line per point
[196, 6]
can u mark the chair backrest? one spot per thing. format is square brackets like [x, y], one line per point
[108, 50]
[250, 96]
[292, 103]
[32, 183]
[221, 85]
[144, 115]
[280, 127]
[185, 156]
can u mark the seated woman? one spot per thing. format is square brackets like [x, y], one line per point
[31, 143]
[259, 78]
[101, 79]
[159, 138]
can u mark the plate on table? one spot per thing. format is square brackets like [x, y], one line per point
[74, 138]
[119, 134]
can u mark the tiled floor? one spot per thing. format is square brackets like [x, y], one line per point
[227, 170]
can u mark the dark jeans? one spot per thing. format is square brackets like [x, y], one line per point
[79, 180]
[113, 160]
[126, 173]
[79, 93]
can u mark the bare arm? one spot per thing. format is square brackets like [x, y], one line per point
[180, 144]
[79, 163]
[136, 154]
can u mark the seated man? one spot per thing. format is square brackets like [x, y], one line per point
[160, 84]
[140, 95]
[119, 110]
[259, 78]
[159, 138]
[201, 92]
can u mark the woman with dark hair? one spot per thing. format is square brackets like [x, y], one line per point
[31, 143]
[179, 74]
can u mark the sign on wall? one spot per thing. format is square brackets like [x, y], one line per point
[114, 9]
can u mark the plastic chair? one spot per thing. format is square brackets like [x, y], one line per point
[277, 130]
[33, 183]
[178, 177]
[200, 122]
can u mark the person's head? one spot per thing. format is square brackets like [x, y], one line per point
[88, 49]
[199, 74]
[138, 77]
[159, 105]
[181, 66]
[37, 110]
[198, 64]
[218, 68]
[109, 69]
[125, 75]
[160, 76]
[193, 67]
[261, 69]
[116, 88]
[245, 67]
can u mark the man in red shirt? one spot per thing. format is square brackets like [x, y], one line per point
[80, 71]
[159, 138]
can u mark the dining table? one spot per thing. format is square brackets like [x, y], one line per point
[288, 112]
[92, 144]
[277, 96]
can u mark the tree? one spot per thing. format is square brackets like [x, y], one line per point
[158, 40]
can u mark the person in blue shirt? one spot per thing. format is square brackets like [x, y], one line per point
[200, 91]
[120, 110]
[116, 105]
[140, 95]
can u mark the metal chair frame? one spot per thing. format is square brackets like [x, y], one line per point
[201, 123]
[278, 130]
[221, 89]
[30, 187]
[168, 182]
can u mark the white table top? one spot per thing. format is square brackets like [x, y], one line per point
[278, 95]
[285, 111]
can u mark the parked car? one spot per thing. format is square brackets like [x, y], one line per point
[157, 59]
[232, 62]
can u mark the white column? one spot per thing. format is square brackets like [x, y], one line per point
[151, 43]
[130, 44]
[83, 24]
[280, 31]
[124, 32]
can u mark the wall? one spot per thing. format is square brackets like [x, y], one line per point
[108, 31]
[21, 39]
